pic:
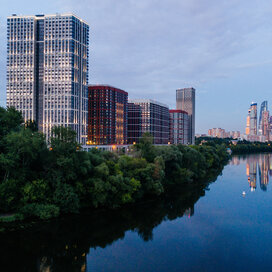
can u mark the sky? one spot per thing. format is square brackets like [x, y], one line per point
[150, 48]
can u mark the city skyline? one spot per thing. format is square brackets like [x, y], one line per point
[233, 67]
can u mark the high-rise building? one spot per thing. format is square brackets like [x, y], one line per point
[251, 127]
[47, 70]
[178, 133]
[264, 121]
[134, 123]
[107, 120]
[253, 119]
[154, 119]
[185, 100]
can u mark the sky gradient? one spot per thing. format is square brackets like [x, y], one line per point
[150, 48]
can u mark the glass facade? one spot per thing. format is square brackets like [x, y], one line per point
[154, 119]
[47, 70]
[264, 121]
[134, 123]
[107, 119]
[178, 129]
[185, 100]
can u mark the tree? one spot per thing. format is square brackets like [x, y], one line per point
[146, 147]
[32, 125]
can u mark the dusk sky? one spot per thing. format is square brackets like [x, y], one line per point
[149, 48]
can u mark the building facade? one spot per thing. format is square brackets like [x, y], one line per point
[264, 121]
[47, 70]
[178, 127]
[251, 125]
[253, 119]
[107, 119]
[154, 119]
[134, 123]
[185, 100]
[222, 133]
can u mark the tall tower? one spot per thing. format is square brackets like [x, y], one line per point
[185, 100]
[248, 123]
[253, 119]
[264, 120]
[47, 70]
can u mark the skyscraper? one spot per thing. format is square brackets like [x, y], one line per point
[185, 100]
[264, 120]
[251, 128]
[47, 70]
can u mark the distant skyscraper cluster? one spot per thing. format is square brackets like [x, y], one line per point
[262, 131]
[47, 80]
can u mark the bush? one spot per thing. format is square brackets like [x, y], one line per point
[41, 211]
[66, 198]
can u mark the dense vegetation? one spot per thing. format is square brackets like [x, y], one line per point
[215, 140]
[240, 147]
[43, 180]
[247, 147]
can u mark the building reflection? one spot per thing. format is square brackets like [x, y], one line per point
[251, 168]
[261, 166]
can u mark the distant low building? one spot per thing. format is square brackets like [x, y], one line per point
[222, 133]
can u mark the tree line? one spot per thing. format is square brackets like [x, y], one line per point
[239, 146]
[42, 179]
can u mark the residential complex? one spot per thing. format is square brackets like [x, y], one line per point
[107, 121]
[178, 133]
[47, 81]
[185, 100]
[222, 133]
[154, 119]
[47, 70]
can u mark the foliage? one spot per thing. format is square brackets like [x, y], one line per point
[246, 148]
[40, 179]
[41, 211]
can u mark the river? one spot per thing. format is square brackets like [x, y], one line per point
[218, 228]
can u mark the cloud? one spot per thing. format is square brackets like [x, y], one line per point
[157, 44]
[254, 64]
[152, 47]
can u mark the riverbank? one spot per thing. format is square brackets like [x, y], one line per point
[237, 147]
[40, 183]
[250, 148]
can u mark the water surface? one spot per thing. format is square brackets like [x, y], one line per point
[195, 229]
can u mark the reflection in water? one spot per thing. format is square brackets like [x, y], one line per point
[63, 245]
[262, 162]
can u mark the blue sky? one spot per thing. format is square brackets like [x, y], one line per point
[152, 47]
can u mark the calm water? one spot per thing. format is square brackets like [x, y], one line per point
[217, 229]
